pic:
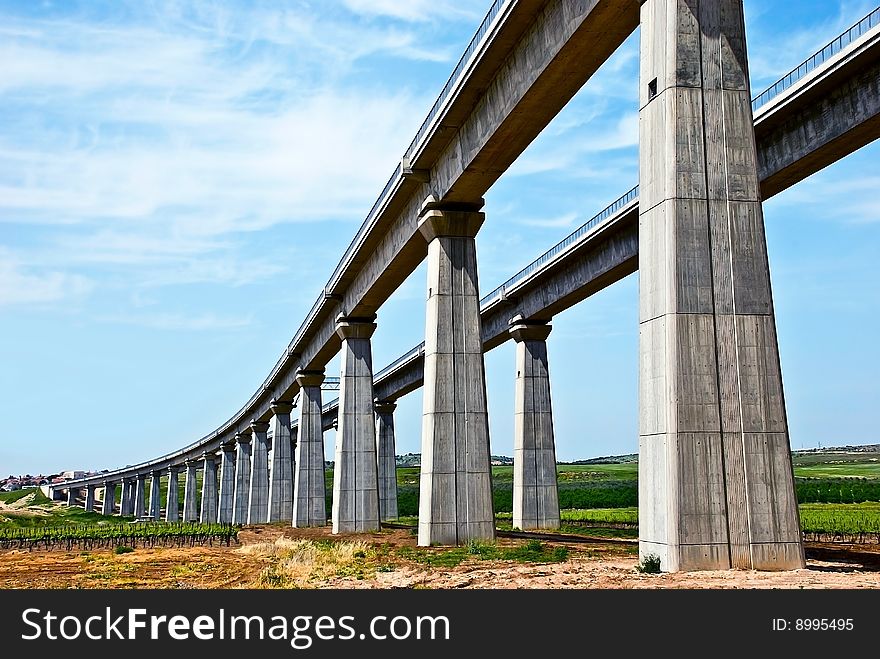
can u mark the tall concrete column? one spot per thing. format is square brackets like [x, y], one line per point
[227, 483]
[172, 504]
[140, 496]
[241, 497]
[155, 501]
[71, 496]
[190, 498]
[281, 474]
[387, 459]
[258, 504]
[309, 489]
[455, 495]
[716, 488]
[109, 504]
[90, 498]
[535, 494]
[208, 514]
[126, 503]
[355, 478]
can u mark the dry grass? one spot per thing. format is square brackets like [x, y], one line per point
[298, 563]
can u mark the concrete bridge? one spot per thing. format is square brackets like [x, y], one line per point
[716, 484]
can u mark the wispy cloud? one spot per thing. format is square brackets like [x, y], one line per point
[178, 321]
[22, 286]
[416, 10]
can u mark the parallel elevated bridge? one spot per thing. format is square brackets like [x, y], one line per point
[716, 487]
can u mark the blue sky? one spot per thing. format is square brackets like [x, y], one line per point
[178, 180]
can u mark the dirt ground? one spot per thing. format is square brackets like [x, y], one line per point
[589, 565]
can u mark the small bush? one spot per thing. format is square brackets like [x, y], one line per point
[650, 564]
[122, 549]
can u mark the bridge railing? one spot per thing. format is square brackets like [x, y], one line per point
[585, 228]
[420, 134]
[455, 76]
[829, 51]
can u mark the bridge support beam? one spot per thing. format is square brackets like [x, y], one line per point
[126, 503]
[172, 498]
[716, 488]
[242, 494]
[71, 496]
[190, 497]
[208, 513]
[309, 489]
[109, 503]
[455, 495]
[281, 474]
[386, 457]
[155, 510]
[140, 495]
[90, 498]
[355, 479]
[227, 483]
[258, 501]
[535, 493]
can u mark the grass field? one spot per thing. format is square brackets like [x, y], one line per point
[839, 493]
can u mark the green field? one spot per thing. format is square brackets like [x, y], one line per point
[839, 495]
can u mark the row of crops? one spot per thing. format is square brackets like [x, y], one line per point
[97, 536]
[851, 523]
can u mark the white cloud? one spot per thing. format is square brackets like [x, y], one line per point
[176, 321]
[21, 286]
[418, 10]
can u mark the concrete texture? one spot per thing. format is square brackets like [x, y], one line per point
[387, 459]
[227, 483]
[140, 495]
[126, 503]
[455, 495]
[90, 498]
[155, 509]
[71, 496]
[172, 503]
[109, 504]
[535, 494]
[208, 512]
[190, 494]
[281, 472]
[241, 496]
[355, 481]
[258, 502]
[716, 488]
[309, 489]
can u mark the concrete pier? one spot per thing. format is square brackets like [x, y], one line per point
[242, 493]
[387, 459]
[355, 478]
[126, 503]
[190, 497]
[716, 488]
[172, 499]
[258, 503]
[535, 493]
[90, 498]
[281, 473]
[155, 510]
[227, 483]
[309, 489]
[208, 513]
[109, 503]
[71, 496]
[140, 493]
[455, 495]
